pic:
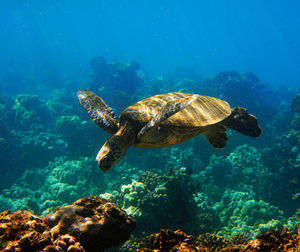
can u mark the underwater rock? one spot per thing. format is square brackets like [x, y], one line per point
[60, 102]
[71, 128]
[95, 222]
[284, 166]
[242, 169]
[116, 74]
[296, 124]
[275, 241]
[89, 224]
[38, 146]
[182, 73]
[295, 104]
[30, 111]
[245, 90]
[168, 240]
[117, 81]
[60, 182]
[156, 86]
[22, 231]
[212, 241]
[64, 243]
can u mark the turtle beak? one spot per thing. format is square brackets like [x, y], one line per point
[103, 160]
[104, 164]
[109, 155]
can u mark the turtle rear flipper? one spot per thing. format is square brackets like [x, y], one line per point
[243, 122]
[168, 110]
[216, 136]
[99, 111]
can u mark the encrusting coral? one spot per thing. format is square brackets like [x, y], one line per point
[95, 222]
[89, 224]
[20, 230]
[168, 240]
[24, 231]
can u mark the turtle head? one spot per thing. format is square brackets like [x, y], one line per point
[243, 122]
[111, 153]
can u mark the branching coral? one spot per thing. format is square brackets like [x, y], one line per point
[239, 212]
[164, 201]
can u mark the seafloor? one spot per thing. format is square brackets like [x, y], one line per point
[218, 197]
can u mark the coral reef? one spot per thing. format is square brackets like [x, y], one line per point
[168, 240]
[60, 102]
[119, 75]
[95, 222]
[30, 111]
[283, 160]
[246, 90]
[71, 128]
[151, 196]
[295, 104]
[239, 212]
[48, 143]
[61, 182]
[242, 169]
[89, 224]
[24, 231]
[123, 78]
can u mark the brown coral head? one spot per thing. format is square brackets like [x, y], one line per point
[95, 222]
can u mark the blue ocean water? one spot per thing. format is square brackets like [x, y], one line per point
[244, 52]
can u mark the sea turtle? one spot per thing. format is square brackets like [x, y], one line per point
[165, 120]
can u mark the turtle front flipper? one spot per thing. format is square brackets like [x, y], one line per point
[216, 135]
[99, 111]
[243, 122]
[168, 110]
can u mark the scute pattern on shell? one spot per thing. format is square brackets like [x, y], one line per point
[204, 111]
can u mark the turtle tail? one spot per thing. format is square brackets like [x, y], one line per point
[243, 122]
